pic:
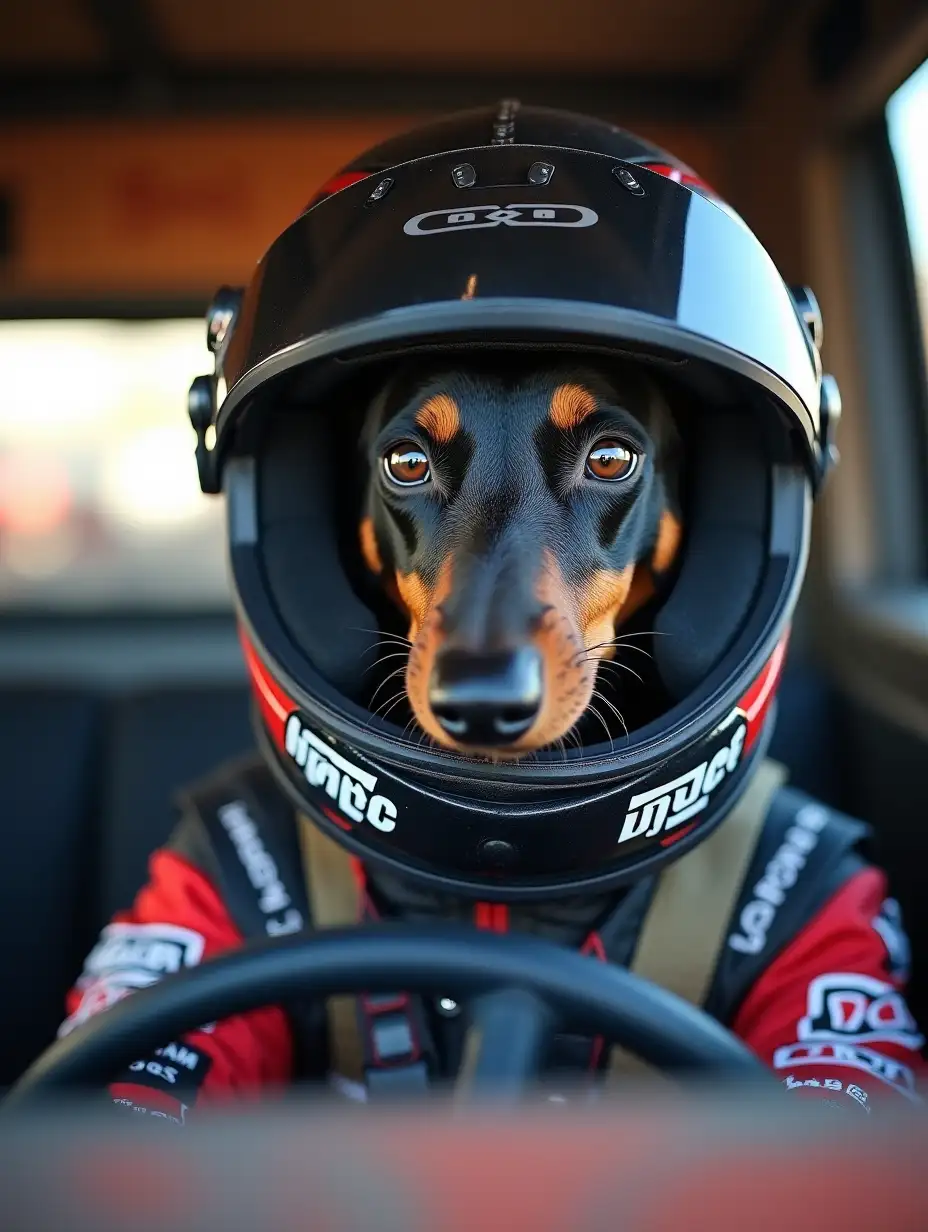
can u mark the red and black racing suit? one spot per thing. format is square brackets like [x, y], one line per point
[811, 976]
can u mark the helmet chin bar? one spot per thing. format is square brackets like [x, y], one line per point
[590, 841]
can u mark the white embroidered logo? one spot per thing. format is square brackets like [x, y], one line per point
[780, 875]
[261, 869]
[847, 1056]
[848, 1006]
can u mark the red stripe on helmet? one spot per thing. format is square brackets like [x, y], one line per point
[336, 819]
[677, 835]
[757, 700]
[274, 704]
[680, 176]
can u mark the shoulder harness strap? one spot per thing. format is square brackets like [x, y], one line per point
[382, 1042]
[805, 854]
[278, 874]
[722, 914]
[686, 924]
[337, 901]
[237, 827]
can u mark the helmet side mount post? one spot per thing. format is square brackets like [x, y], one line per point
[202, 399]
[830, 397]
[201, 407]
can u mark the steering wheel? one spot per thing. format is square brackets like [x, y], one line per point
[521, 991]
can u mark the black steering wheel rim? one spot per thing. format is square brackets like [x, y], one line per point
[582, 994]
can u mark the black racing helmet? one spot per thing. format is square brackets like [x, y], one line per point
[501, 229]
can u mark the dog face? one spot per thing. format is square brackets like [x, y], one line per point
[518, 518]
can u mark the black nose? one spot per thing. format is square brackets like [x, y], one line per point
[486, 699]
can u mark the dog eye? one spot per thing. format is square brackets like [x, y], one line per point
[406, 464]
[610, 459]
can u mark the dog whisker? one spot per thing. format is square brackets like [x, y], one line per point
[404, 654]
[562, 741]
[613, 663]
[375, 709]
[625, 668]
[386, 680]
[589, 656]
[596, 646]
[637, 649]
[378, 633]
[591, 709]
[618, 642]
[573, 736]
[385, 639]
[615, 710]
[395, 702]
[623, 637]
[427, 738]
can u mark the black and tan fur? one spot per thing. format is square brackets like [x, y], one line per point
[512, 542]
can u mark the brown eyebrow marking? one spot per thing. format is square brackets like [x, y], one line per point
[668, 541]
[369, 549]
[440, 417]
[570, 405]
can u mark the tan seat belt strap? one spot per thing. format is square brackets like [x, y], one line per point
[685, 927]
[334, 902]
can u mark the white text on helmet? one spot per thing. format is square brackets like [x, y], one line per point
[663, 808]
[348, 785]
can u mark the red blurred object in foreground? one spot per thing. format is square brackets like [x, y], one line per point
[666, 1165]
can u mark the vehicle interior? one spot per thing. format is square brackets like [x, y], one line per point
[150, 150]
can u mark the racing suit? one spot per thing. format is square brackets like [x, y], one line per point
[811, 974]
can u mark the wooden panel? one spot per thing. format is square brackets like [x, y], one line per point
[641, 35]
[57, 33]
[159, 209]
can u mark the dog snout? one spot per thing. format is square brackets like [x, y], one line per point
[486, 699]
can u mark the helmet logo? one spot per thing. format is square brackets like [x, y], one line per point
[348, 785]
[436, 221]
[665, 807]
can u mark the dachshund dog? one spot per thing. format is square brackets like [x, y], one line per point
[517, 516]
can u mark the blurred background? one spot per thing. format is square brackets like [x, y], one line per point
[150, 150]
